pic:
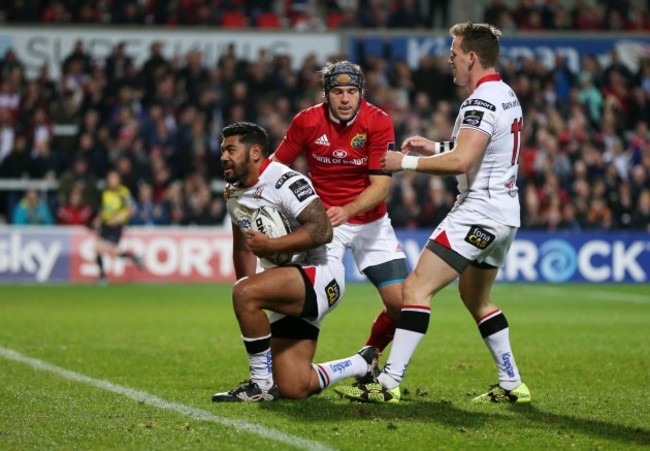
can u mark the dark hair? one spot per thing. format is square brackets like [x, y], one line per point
[341, 73]
[480, 38]
[248, 133]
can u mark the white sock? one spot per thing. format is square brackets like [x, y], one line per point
[411, 327]
[499, 346]
[336, 370]
[401, 352]
[261, 367]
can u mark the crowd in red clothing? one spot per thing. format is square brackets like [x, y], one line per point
[525, 15]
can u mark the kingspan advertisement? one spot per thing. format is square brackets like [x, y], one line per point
[36, 255]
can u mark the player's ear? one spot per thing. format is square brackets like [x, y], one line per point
[256, 152]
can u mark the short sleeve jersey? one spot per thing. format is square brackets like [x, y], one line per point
[340, 157]
[280, 187]
[490, 187]
[116, 202]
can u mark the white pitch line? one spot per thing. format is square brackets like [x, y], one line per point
[146, 398]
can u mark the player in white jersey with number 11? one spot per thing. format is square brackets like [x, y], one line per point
[471, 243]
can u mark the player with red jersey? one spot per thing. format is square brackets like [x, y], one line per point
[343, 140]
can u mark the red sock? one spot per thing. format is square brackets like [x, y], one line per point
[382, 331]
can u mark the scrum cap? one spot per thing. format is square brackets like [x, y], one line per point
[342, 73]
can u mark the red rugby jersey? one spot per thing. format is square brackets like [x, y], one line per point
[340, 157]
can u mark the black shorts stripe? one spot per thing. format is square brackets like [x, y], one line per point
[449, 256]
[310, 309]
[293, 328]
[394, 270]
[482, 265]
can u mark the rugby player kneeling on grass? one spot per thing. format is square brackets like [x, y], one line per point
[298, 295]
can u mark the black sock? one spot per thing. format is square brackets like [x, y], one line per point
[100, 264]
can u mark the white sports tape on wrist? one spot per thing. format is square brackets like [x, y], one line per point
[410, 163]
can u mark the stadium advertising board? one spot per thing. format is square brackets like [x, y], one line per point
[51, 45]
[556, 257]
[205, 255]
[66, 255]
[411, 48]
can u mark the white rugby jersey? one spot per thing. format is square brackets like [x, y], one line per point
[282, 188]
[490, 187]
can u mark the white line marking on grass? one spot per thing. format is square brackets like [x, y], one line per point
[614, 296]
[146, 398]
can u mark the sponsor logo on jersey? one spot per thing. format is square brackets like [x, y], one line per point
[286, 176]
[473, 118]
[479, 102]
[258, 193]
[479, 237]
[323, 141]
[301, 189]
[511, 104]
[333, 292]
[340, 153]
[358, 141]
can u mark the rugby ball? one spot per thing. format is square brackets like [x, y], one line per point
[273, 224]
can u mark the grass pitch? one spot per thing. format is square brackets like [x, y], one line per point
[134, 366]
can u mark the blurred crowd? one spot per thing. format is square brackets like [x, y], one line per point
[584, 162]
[530, 15]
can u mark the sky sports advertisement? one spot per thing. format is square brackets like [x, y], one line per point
[411, 48]
[204, 255]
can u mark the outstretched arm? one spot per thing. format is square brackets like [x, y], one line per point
[469, 147]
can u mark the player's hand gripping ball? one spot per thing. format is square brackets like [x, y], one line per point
[273, 224]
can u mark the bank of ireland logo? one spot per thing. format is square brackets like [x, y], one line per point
[558, 261]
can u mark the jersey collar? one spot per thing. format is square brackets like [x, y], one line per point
[265, 164]
[338, 121]
[490, 77]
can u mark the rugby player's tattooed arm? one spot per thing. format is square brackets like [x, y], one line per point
[315, 222]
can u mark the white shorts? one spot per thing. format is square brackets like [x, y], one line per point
[475, 237]
[372, 244]
[328, 282]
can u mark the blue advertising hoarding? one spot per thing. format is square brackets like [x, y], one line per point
[411, 48]
[539, 257]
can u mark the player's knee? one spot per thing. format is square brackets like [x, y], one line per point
[241, 292]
